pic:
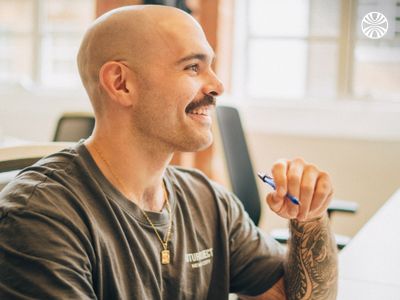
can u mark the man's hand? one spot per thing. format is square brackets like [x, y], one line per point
[307, 183]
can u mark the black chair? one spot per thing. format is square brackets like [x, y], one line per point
[73, 126]
[240, 168]
[243, 177]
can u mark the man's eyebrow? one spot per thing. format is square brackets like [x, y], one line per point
[199, 56]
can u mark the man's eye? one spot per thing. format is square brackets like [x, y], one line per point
[194, 68]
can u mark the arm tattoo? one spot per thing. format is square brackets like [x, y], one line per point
[311, 269]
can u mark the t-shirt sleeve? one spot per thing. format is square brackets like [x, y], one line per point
[256, 259]
[42, 256]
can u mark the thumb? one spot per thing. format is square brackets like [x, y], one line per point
[275, 202]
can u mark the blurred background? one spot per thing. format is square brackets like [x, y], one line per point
[305, 79]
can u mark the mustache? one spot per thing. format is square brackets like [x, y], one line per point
[206, 101]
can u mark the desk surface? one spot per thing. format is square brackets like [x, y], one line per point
[369, 267]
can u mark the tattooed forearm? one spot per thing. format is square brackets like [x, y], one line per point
[311, 269]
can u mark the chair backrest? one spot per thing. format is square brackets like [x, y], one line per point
[238, 161]
[72, 127]
[15, 158]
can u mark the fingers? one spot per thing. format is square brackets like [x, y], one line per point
[282, 206]
[287, 177]
[307, 190]
[322, 195]
[306, 182]
[278, 171]
[294, 176]
[275, 202]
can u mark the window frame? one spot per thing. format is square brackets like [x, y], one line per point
[37, 34]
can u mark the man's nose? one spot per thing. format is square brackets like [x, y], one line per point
[214, 87]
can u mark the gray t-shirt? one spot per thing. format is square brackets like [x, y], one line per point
[67, 233]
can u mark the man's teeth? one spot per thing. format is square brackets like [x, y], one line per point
[200, 111]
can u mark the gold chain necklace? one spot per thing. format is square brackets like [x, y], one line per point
[165, 253]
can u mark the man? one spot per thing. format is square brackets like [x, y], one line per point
[108, 219]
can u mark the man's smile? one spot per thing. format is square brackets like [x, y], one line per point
[205, 111]
[202, 114]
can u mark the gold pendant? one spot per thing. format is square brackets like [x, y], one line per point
[165, 257]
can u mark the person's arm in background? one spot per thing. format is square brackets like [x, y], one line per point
[311, 267]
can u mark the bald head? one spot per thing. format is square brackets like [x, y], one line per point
[130, 34]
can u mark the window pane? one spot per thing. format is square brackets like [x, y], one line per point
[377, 71]
[59, 59]
[397, 21]
[64, 24]
[68, 15]
[277, 68]
[16, 16]
[325, 18]
[16, 57]
[322, 69]
[279, 17]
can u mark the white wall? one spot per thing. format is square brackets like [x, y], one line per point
[33, 115]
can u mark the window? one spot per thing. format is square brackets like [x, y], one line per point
[314, 49]
[39, 40]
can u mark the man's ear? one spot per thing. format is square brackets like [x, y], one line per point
[114, 80]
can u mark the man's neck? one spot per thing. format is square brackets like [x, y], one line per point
[134, 170]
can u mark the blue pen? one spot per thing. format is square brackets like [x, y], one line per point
[270, 181]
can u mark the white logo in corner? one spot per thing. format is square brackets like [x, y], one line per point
[374, 25]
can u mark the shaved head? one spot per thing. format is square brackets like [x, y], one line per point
[131, 34]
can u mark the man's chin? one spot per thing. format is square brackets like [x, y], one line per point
[204, 146]
[197, 145]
